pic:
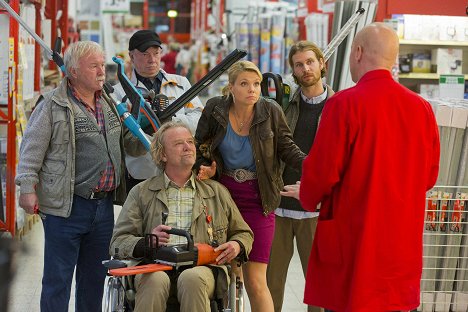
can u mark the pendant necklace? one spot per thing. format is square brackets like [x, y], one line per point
[240, 124]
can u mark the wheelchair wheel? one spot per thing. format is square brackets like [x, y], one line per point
[236, 296]
[114, 295]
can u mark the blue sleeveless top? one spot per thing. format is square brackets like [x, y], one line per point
[236, 151]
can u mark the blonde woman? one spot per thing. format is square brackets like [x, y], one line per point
[241, 139]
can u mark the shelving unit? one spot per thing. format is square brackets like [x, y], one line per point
[413, 80]
[18, 89]
[8, 120]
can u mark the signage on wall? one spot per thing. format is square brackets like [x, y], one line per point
[115, 6]
[326, 6]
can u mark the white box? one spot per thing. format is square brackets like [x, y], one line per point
[448, 61]
[429, 91]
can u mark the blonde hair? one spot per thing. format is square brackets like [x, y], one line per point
[157, 146]
[236, 69]
[77, 50]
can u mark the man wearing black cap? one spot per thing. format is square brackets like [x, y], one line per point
[145, 54]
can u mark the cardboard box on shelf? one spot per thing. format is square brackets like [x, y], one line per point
[429, 91]
[447, 61]
[421, 63]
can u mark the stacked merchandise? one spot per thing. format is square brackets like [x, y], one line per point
[444, 283]
[317, 29]
[339, 76]
[267, 35]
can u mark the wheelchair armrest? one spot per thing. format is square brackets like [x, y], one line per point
[114, 264]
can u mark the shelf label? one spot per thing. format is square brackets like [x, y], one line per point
[452, 86]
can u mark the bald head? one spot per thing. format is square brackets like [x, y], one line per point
[374, 47]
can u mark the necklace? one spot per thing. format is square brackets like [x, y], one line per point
[240, 124]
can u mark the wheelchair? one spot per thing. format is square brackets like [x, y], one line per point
[119, 291]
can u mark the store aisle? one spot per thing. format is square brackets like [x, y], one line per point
[26, 287]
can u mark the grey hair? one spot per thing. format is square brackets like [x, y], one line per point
[157, 146]
[77, 50]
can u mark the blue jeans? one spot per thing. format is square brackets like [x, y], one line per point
[81, 240]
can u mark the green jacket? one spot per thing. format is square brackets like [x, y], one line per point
[147, 201]
[271, 141]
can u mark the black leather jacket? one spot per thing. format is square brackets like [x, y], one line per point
[271, 141]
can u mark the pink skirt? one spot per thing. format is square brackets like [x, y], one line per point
[246, 195]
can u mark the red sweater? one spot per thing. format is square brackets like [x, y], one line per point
[169, 60]
[375, 155]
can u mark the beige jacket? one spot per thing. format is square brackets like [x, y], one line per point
[145, 203]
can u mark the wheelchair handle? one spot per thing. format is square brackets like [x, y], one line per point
[183, 233]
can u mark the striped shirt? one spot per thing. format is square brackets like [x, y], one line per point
[180, 205]
[107, 181]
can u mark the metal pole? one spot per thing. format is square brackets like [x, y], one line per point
[29, 30]
[344, 31]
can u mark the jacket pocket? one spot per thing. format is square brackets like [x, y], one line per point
[220, 233]
[266, 142]
[328, 242]
[50, 189]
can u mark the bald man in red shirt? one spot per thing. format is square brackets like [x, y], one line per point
[375, 155]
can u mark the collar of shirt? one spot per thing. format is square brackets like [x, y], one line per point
[316, 99]
[151, 84]
[74, 93]
[168, 182]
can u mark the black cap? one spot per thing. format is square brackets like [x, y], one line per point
[143, 39]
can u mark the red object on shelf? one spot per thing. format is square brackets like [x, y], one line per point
[9, 224]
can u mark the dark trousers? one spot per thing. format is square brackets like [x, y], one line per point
[81, 240]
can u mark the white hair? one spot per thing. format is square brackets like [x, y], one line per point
[77, 50]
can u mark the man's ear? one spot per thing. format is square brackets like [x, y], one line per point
[72, 72]
[322, 63]
[164, 157]
[359, 52]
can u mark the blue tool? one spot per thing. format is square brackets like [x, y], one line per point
[126, 117]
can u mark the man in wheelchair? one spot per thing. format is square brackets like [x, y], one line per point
[203, 208]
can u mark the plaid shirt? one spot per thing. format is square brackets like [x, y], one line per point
[180, 205]
[107, 181]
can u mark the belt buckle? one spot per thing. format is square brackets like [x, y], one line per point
[92, 195]
[240, 175]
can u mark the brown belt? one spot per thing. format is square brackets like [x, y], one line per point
[241, 175]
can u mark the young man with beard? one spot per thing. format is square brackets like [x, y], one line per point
[71, 169]
[303, 116]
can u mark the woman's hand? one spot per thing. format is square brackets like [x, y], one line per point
[291, 190]
[206, 172]
[160, 232]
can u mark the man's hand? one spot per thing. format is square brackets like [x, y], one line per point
[29, 202]
[229, 251]
[206, 172]
[291, 190]
[160, 232]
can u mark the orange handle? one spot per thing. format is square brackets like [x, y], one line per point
[206, 254]
[140, 269]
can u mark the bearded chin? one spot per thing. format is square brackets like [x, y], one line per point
[309, 83]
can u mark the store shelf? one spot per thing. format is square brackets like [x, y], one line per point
[434, 43]
[433, 76]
